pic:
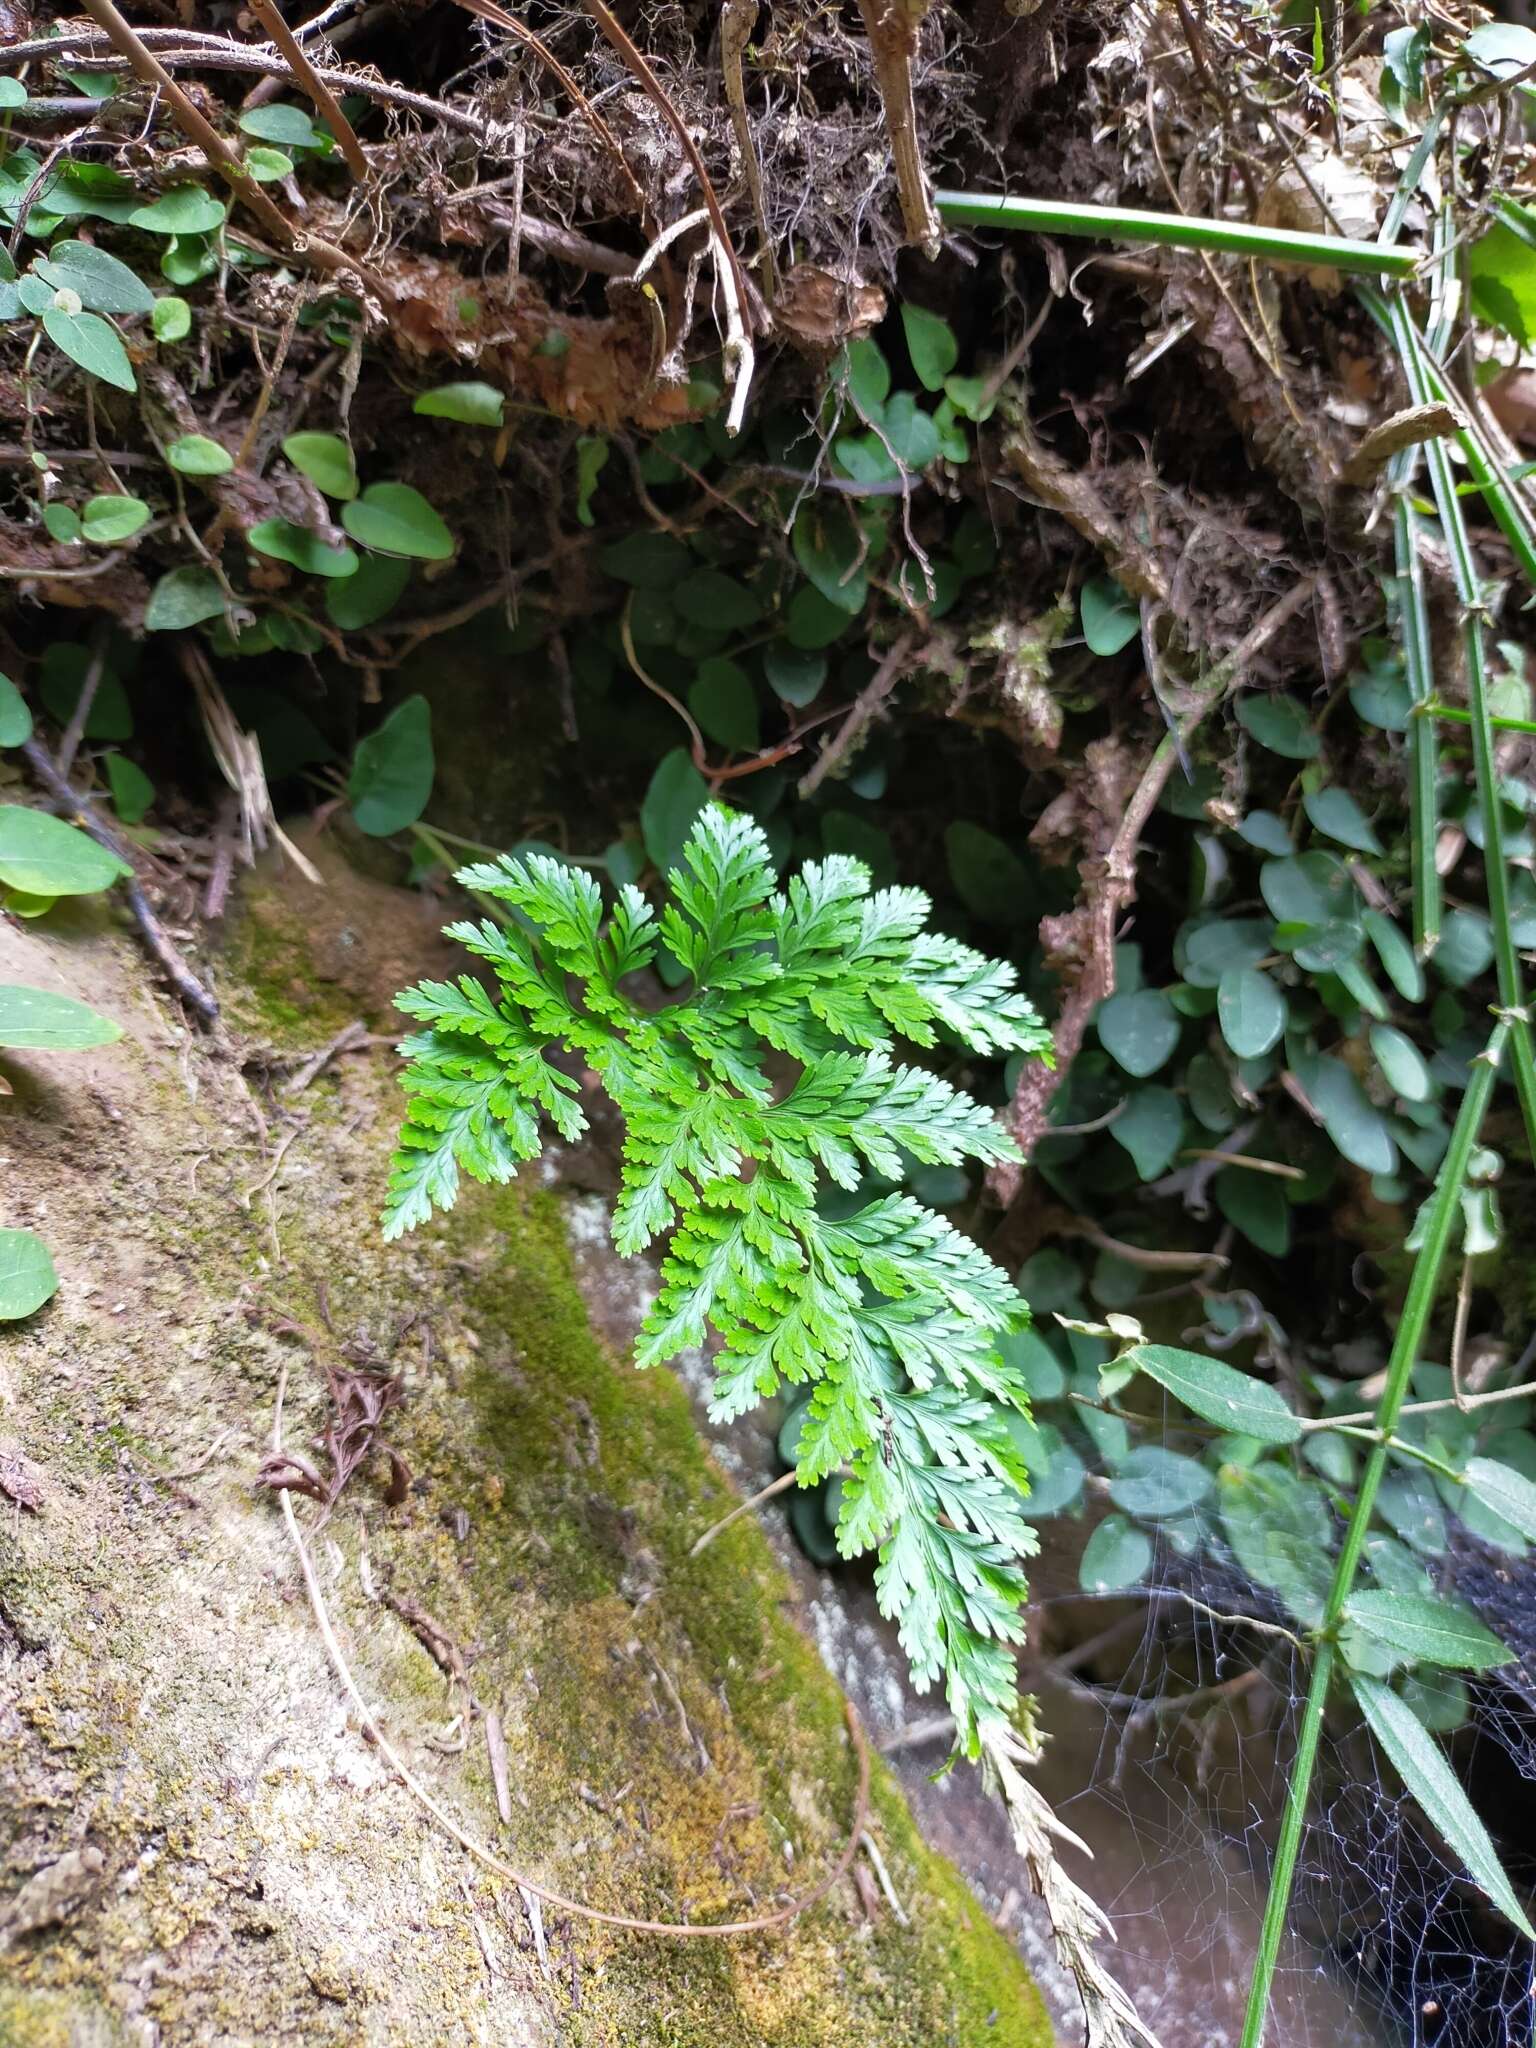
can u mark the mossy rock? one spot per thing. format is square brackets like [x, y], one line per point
[675, 1747]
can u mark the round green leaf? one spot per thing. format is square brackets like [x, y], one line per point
[868, 376]
[1111, 619]
[647, 559]
[1354, 1123]
[1039, 1370]
[112, 517]
[1383, 699]
[370, 594]
[1408, 1502]
[1150, 1127]
[285, 542]
[61, 522]
[42, 856]
[1212, 950]
[1396, 955]
[290, 126]
[829, 546]
[1466, 947]
[102, 283]
[171, 319]
[789, 1431]
[1116, 1555]
[1280, 1532]
[709, 598]
[1267, 832]
[1255, 1204]
[1406, 1071]
[184, 210]
[931, 344]
[913, 437]
[1138, 1030]
[1250, 1010]
[15, 718]
[725, 705]
[1056, 1472]
[267, 166]
[397, 520]
[1336, 815]
[27, 1278]
[37, 1020]
[93, 343]
[189, 258]
[793, 673]
[183, 597]
[813, 1532]
[132, 790]
[1153, 1483]
[1234, 1401]
[326, 460]
[1210, 1093]
[1309, 888]
[1281, 724]
[392, 771]
[1437, 1700]
[811, 622]
[472, 405]
[1503, 47]
[198, 455]
[990, 879]
[677, 793]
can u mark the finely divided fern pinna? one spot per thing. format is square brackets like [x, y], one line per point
[890, 1314]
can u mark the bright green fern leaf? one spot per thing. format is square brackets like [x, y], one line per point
[768, 1083]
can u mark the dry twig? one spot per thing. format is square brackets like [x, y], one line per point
[307, 76]
[196, 126]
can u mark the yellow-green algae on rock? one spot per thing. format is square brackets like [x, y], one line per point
[675, 1748]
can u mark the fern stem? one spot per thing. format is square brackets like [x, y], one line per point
[1410, 1333]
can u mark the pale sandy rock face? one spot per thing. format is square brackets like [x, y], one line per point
[199, 1845]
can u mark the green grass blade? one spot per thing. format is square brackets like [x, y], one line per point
[1411, 1327]
[1411, 610]
[1174, 231]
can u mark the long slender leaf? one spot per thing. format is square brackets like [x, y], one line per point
[1173, 230]
[1426, 1774]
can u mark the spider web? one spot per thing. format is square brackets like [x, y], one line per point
[1172, 1743]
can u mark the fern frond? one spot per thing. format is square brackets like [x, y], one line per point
[890, 1316]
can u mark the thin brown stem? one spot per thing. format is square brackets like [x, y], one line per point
[325, 100]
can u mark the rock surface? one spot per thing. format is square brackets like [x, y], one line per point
[200, 1844]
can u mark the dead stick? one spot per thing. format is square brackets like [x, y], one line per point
[1105, 900]
[860, 716]
[323, 255]
[319, 92]
[782, 1484]
[158, 940]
